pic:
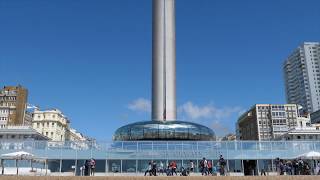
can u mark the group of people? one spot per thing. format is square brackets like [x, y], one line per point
[206, 168]
[297, 167]
[152, 169]
[88, 168]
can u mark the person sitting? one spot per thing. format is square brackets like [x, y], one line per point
[184, 172]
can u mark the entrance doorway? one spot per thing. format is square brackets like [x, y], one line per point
[250, 167]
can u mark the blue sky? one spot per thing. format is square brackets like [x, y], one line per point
[92, 59]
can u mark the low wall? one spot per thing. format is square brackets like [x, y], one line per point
[162, 178]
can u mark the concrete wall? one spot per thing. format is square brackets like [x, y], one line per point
[162, 178]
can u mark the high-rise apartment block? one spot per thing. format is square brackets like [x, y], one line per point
[267, 121]
[13, 106]
[302, 76]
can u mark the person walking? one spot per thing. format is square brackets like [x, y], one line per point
[209, 167]
[317, 168]
[169, 170]
[191, 166]
[222, 164]
[204, 166]
[92, 166]
[174, 168]
[82, 168]
[154, 168]
[148, 169]
[300, 167]
[161, 167]
[87, 168]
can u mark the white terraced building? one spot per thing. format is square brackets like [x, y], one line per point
[302, 76]
[51, 123]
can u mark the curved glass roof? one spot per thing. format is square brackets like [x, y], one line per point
[164, 130]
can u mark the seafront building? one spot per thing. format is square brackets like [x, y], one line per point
[229, 137]
[18, 122]
[302, 76]
[51, 123]
[20, 133]
[267, 121]
[74, 135]
[309, 133]
[13, 106]
[315, 117]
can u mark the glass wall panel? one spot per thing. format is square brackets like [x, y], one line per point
[24, 163]
[116, 145]
[160, 146]
[246, 145]
[114, 166]
[174, 146]
[137, 133]
[165, 132]
[151, 131]
[235, 165]
[9, 163]
[143, 165]
[130, 146]
[194, 133]
[68, 166]
[79, 170]
[54, 165]
[129, 166]
[145, 146]
[100, 166]
[38, 165]
[265, 165]
[190, 146]
[181, 133]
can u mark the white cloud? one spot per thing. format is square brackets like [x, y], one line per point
[140, 105]
[209, 111]
[195, 112]
[220, 128]
[220, 119]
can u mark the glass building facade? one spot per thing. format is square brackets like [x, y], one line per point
[133, 156]
[164, 130]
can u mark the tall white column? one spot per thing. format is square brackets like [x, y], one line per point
[164, 61]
